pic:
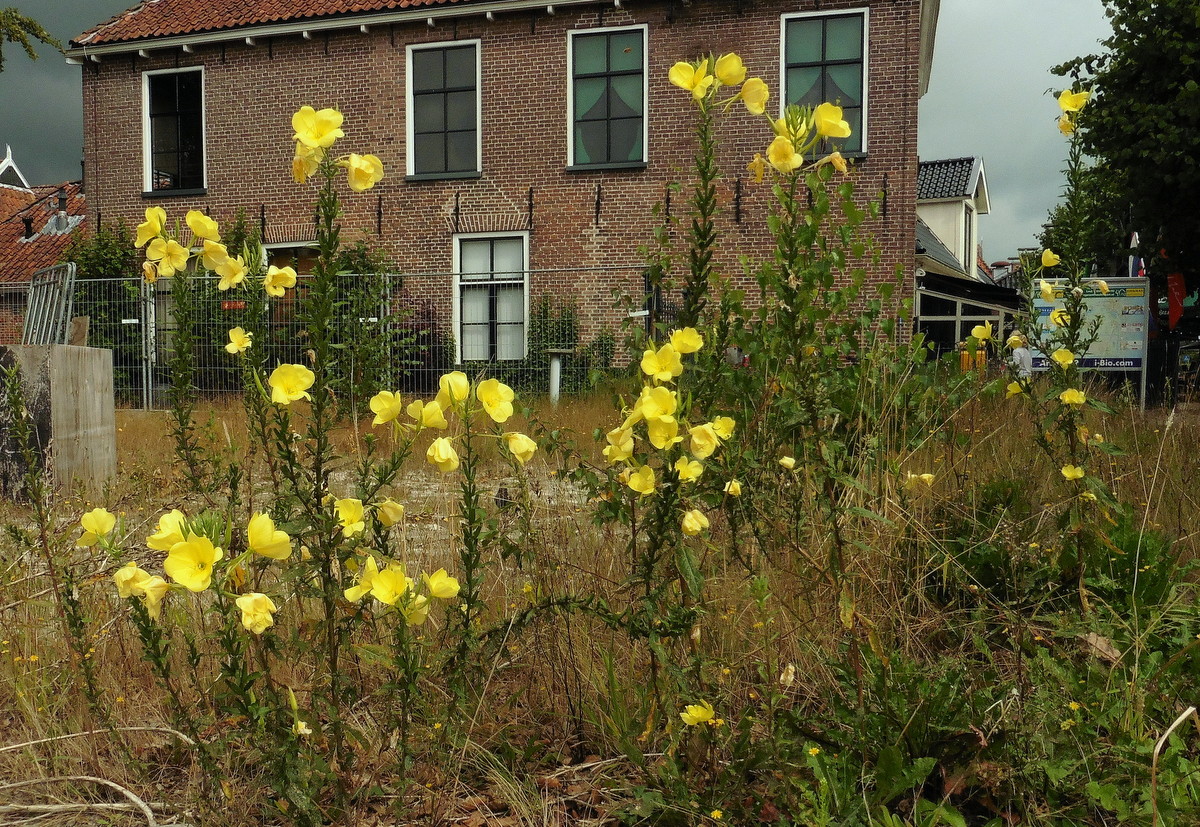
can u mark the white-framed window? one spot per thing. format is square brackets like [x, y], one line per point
[968, 239]
[444, 106]
[491, 296]
[173, 129]
[606, 97]
[823, 58]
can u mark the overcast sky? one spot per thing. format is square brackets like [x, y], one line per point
[990, 95]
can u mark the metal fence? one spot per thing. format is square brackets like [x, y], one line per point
[384, 338]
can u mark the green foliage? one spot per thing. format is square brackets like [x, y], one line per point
[20, 29]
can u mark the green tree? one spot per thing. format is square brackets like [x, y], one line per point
[1102, 234]
[17, 28]
[1142, 121]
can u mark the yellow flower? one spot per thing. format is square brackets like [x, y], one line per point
[263, 538]
[152, 227]
[232, 271]
[755, 95]
[982, 332]
[1063, 358]
[1075, 706]
[620, 444]
[688, 470]
[442, 454]
[788, 462]
[653, 404]
[730, 70]
[839, 163]
[913, 481]
[366, 581]
[788, 676]
[150, 272]
[213, 254]
[700, 713]
[130, 579]
[705, 440]
[301, 729]
[733, 488]
[202, 227]
[453, 389]
[723, 426]
[317, 129]
[390, 585]
[1066, 124]
[362, 171]
[496, 398]
[1014, 389]
[1071, 396]
[96, 523]
[1049, 258]
[814, 751]
[170, 531]
[1046, 289]
[389, 512]
[686, 340]
[1072, 472]
[520, 446]
[694, 522]
[168, 256]
[642, 480]
[190, 563]
[782, 154]
[386, 406]
[828, 121]
[1060, 317]
[153, 591]
[257, 611]
[1101, 285]
[758, 166]
[694, 78]
[278, 279]
[663, 431]
[239, 340]
[427, 414]
[350, 516]
[441, 585]
[289, 383]
[305, 162]
[663, 365]
[717, 815]
[1069, 101]
[416, 610]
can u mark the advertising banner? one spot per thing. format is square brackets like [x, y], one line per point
[1124, 314]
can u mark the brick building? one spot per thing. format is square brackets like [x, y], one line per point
[525, 144]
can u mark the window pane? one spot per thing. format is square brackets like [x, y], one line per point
[625, 52]
[508, 257]
[625, 141]
[460, 110]
[626, 97]
[162, 94]
[475, 343]
[843, 38]
[165, 136]
[428, 113]
[461, 154]
[935, 306]
[591, 142]
[189, 91]
[460, 67]
[845, 84]
[475, 258]
[589, 54]
[427, 70]
[510, 342]
[590, 103]
[429, 153]
[474, 305]
[803, 41]
[854, 118]
[803, 86]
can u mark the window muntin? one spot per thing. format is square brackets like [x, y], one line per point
[443, 124]
[492, 293]
[174, 123]
[824, 60]
[608, 97]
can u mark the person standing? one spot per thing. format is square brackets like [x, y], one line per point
[1022, 357]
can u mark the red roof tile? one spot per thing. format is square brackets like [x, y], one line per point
[164, 18]
[21, 256]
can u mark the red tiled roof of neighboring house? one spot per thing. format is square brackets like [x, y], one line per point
[13, 199]
[21, 256]
[164, 18]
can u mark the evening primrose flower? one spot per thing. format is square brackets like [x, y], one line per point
[1101, 285]
[203, 228]
[389, 512]
[700, 713]
[289, 383]
[705, 440]
[366, 581]
[213, 254]
[97, 523]
[1072, 396]
[520, 446]
[982, 332]
[662, 365]
[663, 431]
[1063, 358]
[788, 462]
[755, 95]
[149, 272]
[190, 563]
[692, 77]
[153, 590]
[152, 227]
[278, 279]
[688, 469]
[758, 166]
[427, 414]
[723, 426]
[730, 70]
[913, 481]
[305, 162]
[1050, 258]
[1069, 101]
[263, 538]
[350, 516]
[620, 444]
[1066, 124]
[693, 522]
[170, 531]
[496, 398]
[239, 340]
[686, 340]
[839, 163]
[642, 480]
[1014, 389]
[733, 488]
[362, 171]
[130, 579]
[1060, 317]
[441, 585]
[827, 119]
[453, 389]
[317, 128]
[653, 403]
[782, 154]
[442, 454]
[415, 610]
[1047, 290]
[232, 271]
[390, 585]
[1072, 472]
[386, 406]
[168, 256]
[257, 611]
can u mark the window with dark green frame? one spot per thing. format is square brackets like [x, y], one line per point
[176, 123]
[445, 110]
[608, 83]
[823, 62]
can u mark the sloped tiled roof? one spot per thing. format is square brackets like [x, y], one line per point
[20, 257]
[14, 198]
[164, 18]
[952, 178]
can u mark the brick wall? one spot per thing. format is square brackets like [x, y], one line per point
[252, 91]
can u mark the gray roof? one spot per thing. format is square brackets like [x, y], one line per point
[929, 245]
[952, 178]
